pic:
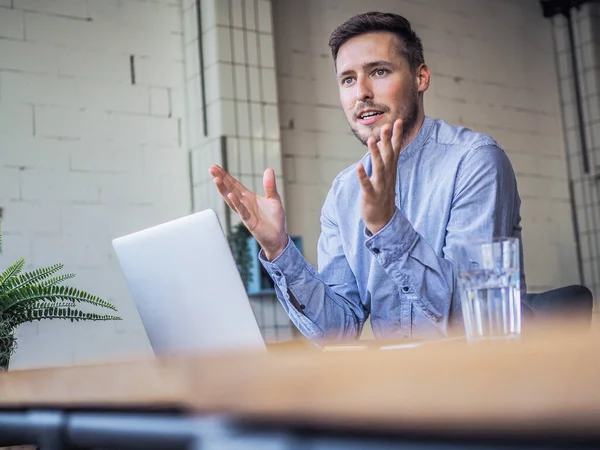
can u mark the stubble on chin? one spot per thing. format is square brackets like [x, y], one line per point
[362, 138]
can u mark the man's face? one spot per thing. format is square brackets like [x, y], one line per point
[376, 84]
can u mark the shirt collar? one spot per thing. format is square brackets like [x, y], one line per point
[417, 143]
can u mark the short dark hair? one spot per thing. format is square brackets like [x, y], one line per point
[410, 44]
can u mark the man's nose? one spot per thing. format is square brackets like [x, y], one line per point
[363, 90]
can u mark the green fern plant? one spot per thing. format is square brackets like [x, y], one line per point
[37, 295]
[238, 243]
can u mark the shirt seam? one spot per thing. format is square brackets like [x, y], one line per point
[469, 154]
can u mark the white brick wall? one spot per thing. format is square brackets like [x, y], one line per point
[586, 39]
[241, 95]
[492, 70]
[85, 155]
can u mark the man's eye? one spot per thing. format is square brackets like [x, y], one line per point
[347, 80]
[380, 72]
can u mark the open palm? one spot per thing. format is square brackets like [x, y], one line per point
[263, 216]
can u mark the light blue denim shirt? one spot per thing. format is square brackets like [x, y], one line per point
[453, 185]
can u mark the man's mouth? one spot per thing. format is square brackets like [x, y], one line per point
[369, 117]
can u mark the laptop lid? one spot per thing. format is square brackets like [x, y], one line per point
[187, 288]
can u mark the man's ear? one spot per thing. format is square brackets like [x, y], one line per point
[422, 79]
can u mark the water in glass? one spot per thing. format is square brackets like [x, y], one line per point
[490, 291]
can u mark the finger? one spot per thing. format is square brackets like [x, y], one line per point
[270, 185]
[387, 153]
[365, 181]
[234, 185]
[397, 138]
[217, 171]
[224, 192]
[229, 181]
[378, 164]
[239, 207]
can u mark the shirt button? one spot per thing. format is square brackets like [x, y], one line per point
[405, 289]
[302, 306]
[376, 251]
[277, 273]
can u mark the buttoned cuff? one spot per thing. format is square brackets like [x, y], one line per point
[285, 270]
[288, 264]
[390, 247]
[394, 240]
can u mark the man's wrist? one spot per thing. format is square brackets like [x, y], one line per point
[375, 228]
[272, 254]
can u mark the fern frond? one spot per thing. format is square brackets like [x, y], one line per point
[11, 272]
[28, 295]
[30, 278]
[31, 314]
[44, 305]
[57, 280]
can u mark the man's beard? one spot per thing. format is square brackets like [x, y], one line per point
[408, 113]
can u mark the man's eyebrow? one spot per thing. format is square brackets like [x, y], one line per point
[366, 66]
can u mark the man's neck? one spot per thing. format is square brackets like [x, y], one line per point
[414, 131]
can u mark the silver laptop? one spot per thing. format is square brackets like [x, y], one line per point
[187, 288]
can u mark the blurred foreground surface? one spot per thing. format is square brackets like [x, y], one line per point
[547, 382]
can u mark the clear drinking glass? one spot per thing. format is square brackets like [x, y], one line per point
[489, 281]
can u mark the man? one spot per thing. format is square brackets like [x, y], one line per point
[389, 221]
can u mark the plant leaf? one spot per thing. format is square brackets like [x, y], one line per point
[33, 277]
[57, 280]
[11, 272]
[43, 305]
[27, 295]
[31, 314]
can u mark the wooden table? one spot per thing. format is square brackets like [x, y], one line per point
[545, 386]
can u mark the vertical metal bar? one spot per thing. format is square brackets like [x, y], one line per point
[579, 109]
[225, 161]
[577, 232]
[572, 200]
[201, 57]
